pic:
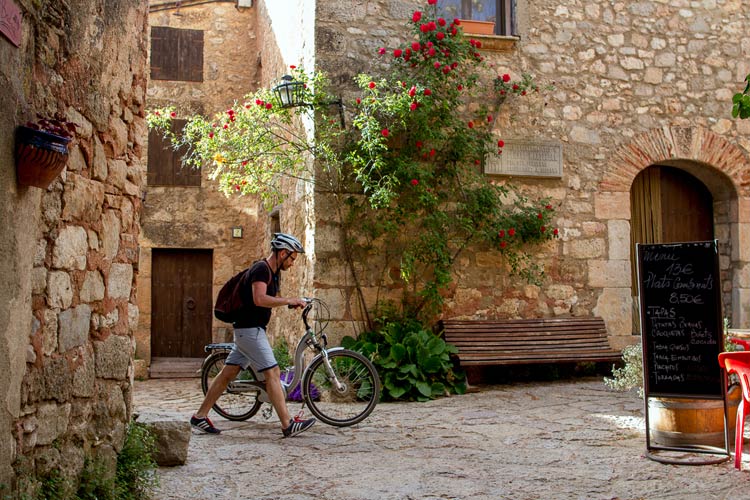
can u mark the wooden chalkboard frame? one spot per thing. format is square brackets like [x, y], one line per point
[679, 288]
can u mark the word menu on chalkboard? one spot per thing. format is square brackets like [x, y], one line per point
[681, 319]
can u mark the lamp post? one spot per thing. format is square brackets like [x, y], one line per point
[290, 94]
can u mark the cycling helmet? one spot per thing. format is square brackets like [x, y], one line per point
[283, 241]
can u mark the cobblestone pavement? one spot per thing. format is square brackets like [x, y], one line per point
[552, 440]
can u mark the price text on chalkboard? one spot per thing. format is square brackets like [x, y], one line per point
[681, 318]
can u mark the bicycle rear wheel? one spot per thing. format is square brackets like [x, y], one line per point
[233, 404]
[357, 395]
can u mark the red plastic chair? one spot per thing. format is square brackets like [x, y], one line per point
[739, 363]
[744, 343]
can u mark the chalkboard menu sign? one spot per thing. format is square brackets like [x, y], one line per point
[681, 319]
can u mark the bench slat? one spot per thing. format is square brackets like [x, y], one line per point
[520, 341]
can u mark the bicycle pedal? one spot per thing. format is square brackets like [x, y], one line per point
[267, 412]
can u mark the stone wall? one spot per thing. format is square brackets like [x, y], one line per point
[636, 84]
[70, 253]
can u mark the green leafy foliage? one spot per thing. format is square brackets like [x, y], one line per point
[741, 102]
[413, 363]
[136, 468]
[281, 353]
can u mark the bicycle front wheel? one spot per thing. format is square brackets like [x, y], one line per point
[236, 403]
[352, 399]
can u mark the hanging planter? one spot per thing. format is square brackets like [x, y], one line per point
[42, 152]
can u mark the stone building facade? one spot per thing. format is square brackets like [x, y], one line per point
[638, 86]
[70, 252]
[240, 55]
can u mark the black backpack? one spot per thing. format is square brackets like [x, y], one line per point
[230, 301]
[234, 296]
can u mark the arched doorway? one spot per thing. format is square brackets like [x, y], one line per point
[668, 205]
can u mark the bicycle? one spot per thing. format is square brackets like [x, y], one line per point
[341, 387]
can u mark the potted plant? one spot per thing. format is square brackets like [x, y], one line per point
[474, 27]
[42, 150]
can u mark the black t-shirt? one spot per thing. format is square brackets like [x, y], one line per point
[255, 316]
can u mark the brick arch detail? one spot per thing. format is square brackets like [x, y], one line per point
[676, 143]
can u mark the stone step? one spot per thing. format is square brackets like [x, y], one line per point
[175, 367]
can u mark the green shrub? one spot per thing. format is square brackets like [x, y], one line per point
[281, 353]
[136, 467]
[413, 363]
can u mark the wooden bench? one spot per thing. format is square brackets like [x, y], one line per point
[525, 341]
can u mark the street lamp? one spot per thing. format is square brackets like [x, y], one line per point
[290, 94]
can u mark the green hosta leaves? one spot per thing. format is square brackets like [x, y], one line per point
[413, 362]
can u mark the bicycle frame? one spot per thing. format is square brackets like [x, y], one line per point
[308, 341]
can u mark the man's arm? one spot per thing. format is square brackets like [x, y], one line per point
[262, 299]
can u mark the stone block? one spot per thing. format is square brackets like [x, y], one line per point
[120, 281]
[84, 377]
[585, 248]
[741, 242]
[619, 239]
[615, 305]
[92, 288]
[52, 421]
[172, 440]
[110, 234]
[59, 290]
[612, 205]
[56, 380]
[74, 325]
[609, 273]
[113, 357]
[71, 248]
[82, 199]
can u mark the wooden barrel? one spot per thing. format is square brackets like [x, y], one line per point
[678, 422]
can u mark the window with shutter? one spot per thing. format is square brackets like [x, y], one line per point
[165, 166]
[176, 54]
[500, 12]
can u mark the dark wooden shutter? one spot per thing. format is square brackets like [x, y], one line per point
[165, 166]
[176, 54]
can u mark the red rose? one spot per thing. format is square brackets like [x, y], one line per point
[440, 35]
[539, 215]
[431, 2]
[437, 64]
[548, 207]
[210, 135]
[416, 16]
[555, 231]
[523, 92]
[441, 21]
[427, 92]
[419, 144]
[501, 234]
[371, 85]
[454, 32]
[269, 105]
[397, 53]
[226, 125]
[446, 69]
[460, 87]
[431, 26]
[515, 86]
[416, 46]
[432, 152]
[412, 91]
[471, 124]
[424, 28]
[511, 232]
[500, 143]
[258, 102]
[503, 244]
[457, 22]
[431, 52]
[489, 118]
[542, 229]
[292, 66]
[172, 114]
[381, 50]
[359, 101]
[506, 77]
[413, 106]
[478, 44]
[385, 132]
[476, 162]
[414, 182]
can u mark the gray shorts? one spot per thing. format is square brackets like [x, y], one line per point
[251, 348]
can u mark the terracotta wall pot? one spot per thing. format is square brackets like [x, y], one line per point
[680, 422]
[40, 156]
[478, 27]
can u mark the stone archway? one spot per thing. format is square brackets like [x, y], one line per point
[723, 168]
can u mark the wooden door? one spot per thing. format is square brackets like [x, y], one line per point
[181, 302]
[668, 205]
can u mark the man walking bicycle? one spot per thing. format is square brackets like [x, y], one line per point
[251, 346]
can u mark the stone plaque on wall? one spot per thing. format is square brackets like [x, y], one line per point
[527, 159]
